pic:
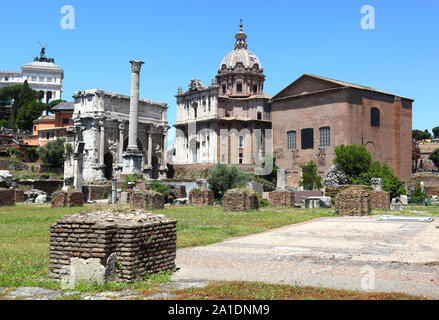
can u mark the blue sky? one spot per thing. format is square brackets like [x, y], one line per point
[181, 40]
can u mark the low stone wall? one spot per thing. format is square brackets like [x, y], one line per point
[48, 186]
[147, 200]
[240, 200]
[71, 198]
[201, 198]
[141, 243]
[7, 197]
[96, 192]
[380, 200]
[281, 199]
[19, 195]
[353, 202]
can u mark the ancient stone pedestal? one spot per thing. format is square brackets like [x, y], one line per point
[70, 198]
[147, 200]
[134, 244]
[281, 179]
[132, 162]
[281, 199]
[7, 197]
[201, 198]
[353, 202]
[317, 202]
[240, 200]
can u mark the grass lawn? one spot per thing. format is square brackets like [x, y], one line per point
[25, 232]
[262, 291]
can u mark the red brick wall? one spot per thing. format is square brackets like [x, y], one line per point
[281, 199]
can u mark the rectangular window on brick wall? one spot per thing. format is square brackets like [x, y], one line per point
[291, 140]
[308, 138]
[325, 137]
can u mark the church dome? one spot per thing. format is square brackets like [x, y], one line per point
[241, 53]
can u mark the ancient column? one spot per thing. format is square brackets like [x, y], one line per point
[101, 143]
[134, 105]
[165, 144]
[150, 149]
[121, 141]
[132, 157]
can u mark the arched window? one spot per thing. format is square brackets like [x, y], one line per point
[239, 87]
[375, 117]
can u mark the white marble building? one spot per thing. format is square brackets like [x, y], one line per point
[42, 75]
[99, 136]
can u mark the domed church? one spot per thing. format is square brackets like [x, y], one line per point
[225, 122]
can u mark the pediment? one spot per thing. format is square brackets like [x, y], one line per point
[304, 85]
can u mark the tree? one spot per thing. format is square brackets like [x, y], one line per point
[436, 132]
[28, 113]
[434, 156]
[417, 195]
[310, 179]
[52, 154]
[420, 135]
[223, 178]
[352, 159]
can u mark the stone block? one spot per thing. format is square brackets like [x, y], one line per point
[19, 195]
[147, 200]
[281, 199]
[7, 197]
[380, 200]
[240, 200]
[353, 202]
[70, 198]
[318, 202]
[110, 245]
[201, 198]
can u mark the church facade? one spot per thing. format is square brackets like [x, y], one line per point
[225, 122]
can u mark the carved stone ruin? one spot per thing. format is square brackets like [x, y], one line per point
[146, 200]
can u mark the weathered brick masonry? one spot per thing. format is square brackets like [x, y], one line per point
[19, 195]
[353, 202]
[380, 200]
[147, 200]
[144, 243]
[281, 199]
[7, 197]
[71, 198]
[201, 198]
[240, 200]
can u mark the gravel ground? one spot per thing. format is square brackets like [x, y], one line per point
[354, 253]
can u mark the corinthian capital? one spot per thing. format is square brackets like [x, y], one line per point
[136, 65]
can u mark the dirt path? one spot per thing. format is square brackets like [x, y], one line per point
[354, 253]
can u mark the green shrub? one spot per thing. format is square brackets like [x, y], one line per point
[352, 159]
[310, 180]
[224, 178]
[391, 182]
[132, 178]
[434, 156]
[159, 187]
[417, 195]
[52, 154]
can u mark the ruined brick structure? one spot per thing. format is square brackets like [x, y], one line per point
[240, 200]
[147, 200]
[353, 202]
[19, 195]
[71, 198]
[313, 115]
[281, 199]
[201, 198]
[143, 243]
[7, 197]
[380, 200]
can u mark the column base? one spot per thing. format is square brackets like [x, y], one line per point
[132, 162]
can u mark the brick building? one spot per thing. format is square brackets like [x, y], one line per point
[313, 115]
[48, 128]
